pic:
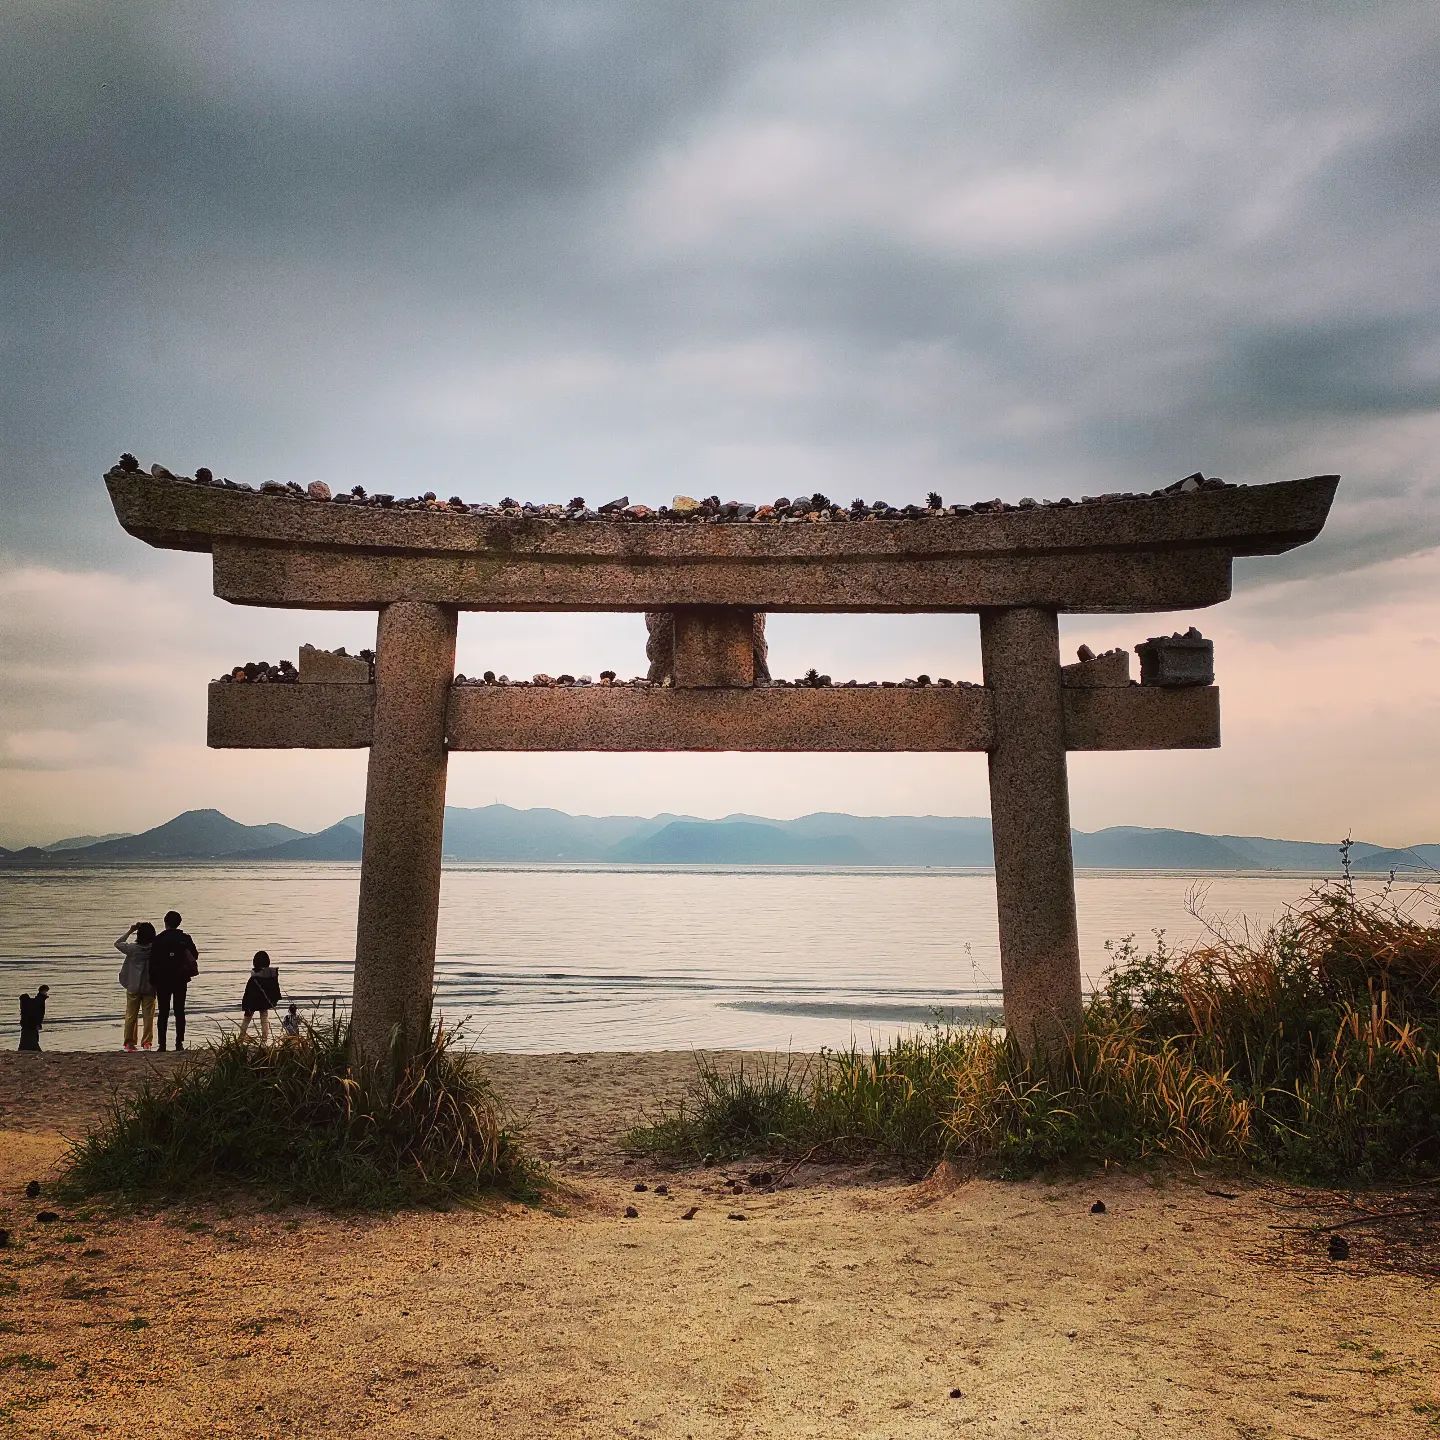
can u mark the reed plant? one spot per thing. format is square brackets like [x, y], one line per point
[1310, 1049]
[299, 1123]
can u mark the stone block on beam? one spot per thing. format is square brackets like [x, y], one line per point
[714, 647]
[326, 667]
[290, 717]
[626, 718]
[1142, 717]
[1092, 582]
[1108, 670]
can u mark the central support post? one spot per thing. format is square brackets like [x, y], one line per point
[404, 825]
[1030, 821]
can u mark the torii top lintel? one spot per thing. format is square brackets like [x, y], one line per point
[1131, 555]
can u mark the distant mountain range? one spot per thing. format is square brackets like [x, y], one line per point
[500, 833]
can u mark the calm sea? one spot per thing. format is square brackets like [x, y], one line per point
[552, 957]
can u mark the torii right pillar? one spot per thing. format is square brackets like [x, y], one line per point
[1030, 823]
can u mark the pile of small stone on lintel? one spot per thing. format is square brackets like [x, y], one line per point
[683, 509]
[812, 679]
[262, 672]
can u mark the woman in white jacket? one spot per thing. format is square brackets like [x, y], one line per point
[135, 977]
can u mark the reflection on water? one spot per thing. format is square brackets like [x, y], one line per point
[552, 957]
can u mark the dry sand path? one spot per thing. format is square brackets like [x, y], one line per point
[836, 1307]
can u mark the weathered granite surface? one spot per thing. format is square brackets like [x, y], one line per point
[1245, 520]
[662, 718]
[1127, 555]
[1140, 717]
[1187, 659]
[404, 821]
[626, 718]
[714, 646]
[1087, 583]
[1030, 824]
[325, 667]
[319, 716]
[1111, 668]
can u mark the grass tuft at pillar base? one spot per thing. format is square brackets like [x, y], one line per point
[1310, 1050]
[299, 1124]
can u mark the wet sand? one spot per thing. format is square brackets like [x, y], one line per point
[842, 1304]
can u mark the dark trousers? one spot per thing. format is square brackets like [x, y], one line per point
[163, 1001]
[29, 1037]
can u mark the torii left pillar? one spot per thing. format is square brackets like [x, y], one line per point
[404, 827]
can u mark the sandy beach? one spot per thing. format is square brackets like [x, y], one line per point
[839, 1303]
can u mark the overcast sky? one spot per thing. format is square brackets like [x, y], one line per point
[875, 249]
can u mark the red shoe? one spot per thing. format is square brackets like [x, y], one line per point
[130, 1046]
[144, 1044]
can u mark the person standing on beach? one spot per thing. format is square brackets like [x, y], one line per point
[262, 994]
[135, 977]
[174, 962]
[32, 1018]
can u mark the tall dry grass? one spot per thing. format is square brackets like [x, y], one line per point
[1311, 1048]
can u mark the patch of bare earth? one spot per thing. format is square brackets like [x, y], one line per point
[852, 1308]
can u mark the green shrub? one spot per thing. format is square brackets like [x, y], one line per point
[745, 1110]
[297, 1123]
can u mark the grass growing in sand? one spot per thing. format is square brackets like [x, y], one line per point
[1310, 1050]
[298, 1124]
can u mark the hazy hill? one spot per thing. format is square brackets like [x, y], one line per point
[81, 842]
[500, 832]
[1130, 847]
[1416, 857]
[341, 841]
[1293, 854]
[195, 835]
[503, 834]
[740, 842]
[904, 839]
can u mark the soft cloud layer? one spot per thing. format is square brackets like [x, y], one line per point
[582, 248]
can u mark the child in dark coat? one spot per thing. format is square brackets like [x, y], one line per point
[32, 1018]
[262, 994]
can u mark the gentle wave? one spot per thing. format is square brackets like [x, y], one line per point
[564, 956]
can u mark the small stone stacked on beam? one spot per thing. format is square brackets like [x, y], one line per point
[814, 509]
[812, 679]
[316, 667]
[262, 672]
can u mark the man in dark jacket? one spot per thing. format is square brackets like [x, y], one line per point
[32, 1017]
[173, 958]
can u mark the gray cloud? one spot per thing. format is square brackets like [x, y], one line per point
[746, 248]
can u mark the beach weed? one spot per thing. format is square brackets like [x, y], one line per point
[731, 1111]
[300, 1123]
[1310, 1049]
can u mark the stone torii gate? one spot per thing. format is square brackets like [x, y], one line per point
[1018, 568]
